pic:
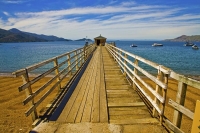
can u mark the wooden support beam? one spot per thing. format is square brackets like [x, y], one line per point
[180, 99]
[57, 72]
[29, 92]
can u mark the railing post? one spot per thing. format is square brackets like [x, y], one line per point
[125, 63]
[112, 49]
[120, 55]
[29, 92]
[159, 91]
[85, 52]
[57, 71]
[135, 71]
[164, 94]
[69, 63]
[180, 99]
[82, 56]
[76, 58]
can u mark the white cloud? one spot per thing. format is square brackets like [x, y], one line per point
[14, 1]
[125, 21]
[6, 13]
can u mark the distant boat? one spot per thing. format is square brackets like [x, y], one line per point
[187, 43]
[157, 44]
[133, 45]
[195, 47]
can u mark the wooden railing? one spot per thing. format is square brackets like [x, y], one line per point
[57, 68]
[155, 98]
[178, 105]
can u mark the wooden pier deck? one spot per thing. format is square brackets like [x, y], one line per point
[103, 101]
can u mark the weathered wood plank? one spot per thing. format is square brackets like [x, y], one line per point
[172, 126]
[180, 99]
[77, 103]
[186, 80]
[181, 108]
[89, 102]
[126, 104]
[68, 107]
[136, 121]
[95, 116]
[83, 103]
[103, 102]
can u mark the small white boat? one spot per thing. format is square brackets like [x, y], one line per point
[187, 43]
[157, 44]
[195, 47]
[133, 45]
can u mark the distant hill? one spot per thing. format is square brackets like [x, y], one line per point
[83, 39]
[15, 35]
[8, 36]
[45, 37]
[194, 38]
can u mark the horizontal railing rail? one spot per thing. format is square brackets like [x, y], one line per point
[57, 68]
[130, 66]
[178, 105]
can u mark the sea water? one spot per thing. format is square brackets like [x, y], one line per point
[179, 58]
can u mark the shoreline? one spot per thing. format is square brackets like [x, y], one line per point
[195, 77]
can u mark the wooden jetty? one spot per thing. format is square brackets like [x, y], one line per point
[101, 89]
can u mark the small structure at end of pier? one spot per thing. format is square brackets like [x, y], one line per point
[100, 40]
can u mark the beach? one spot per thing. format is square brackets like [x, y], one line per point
[12, 117]
[12, 110]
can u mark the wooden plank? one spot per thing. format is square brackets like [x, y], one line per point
[28, 92]
[95, 116]
[172, 126]
[77, 102]
[82, 106]
[113, 87]
[86, 82]
[181, 108]
[186, 80]
[126, 104]
[66, 111]
[89, 101]
[136, 121]
[103, 102]
[118, 91]
[180, 99]
[158, 91]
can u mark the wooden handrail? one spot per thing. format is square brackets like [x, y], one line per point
[128, 60]
[125, 63]
[74, 60]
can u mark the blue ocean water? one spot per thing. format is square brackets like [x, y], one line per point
[15, 56]
[181, 59]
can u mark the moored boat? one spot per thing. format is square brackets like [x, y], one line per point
[133, 45]
[187, 43]
[195, 47]
[157, 44]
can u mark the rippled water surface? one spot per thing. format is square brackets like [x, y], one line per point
[184, 60]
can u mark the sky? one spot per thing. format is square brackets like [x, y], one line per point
[113, 19]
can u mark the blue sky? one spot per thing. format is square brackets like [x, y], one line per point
[114, 19]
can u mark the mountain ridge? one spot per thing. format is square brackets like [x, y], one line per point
[183, 38]
[15, 35]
